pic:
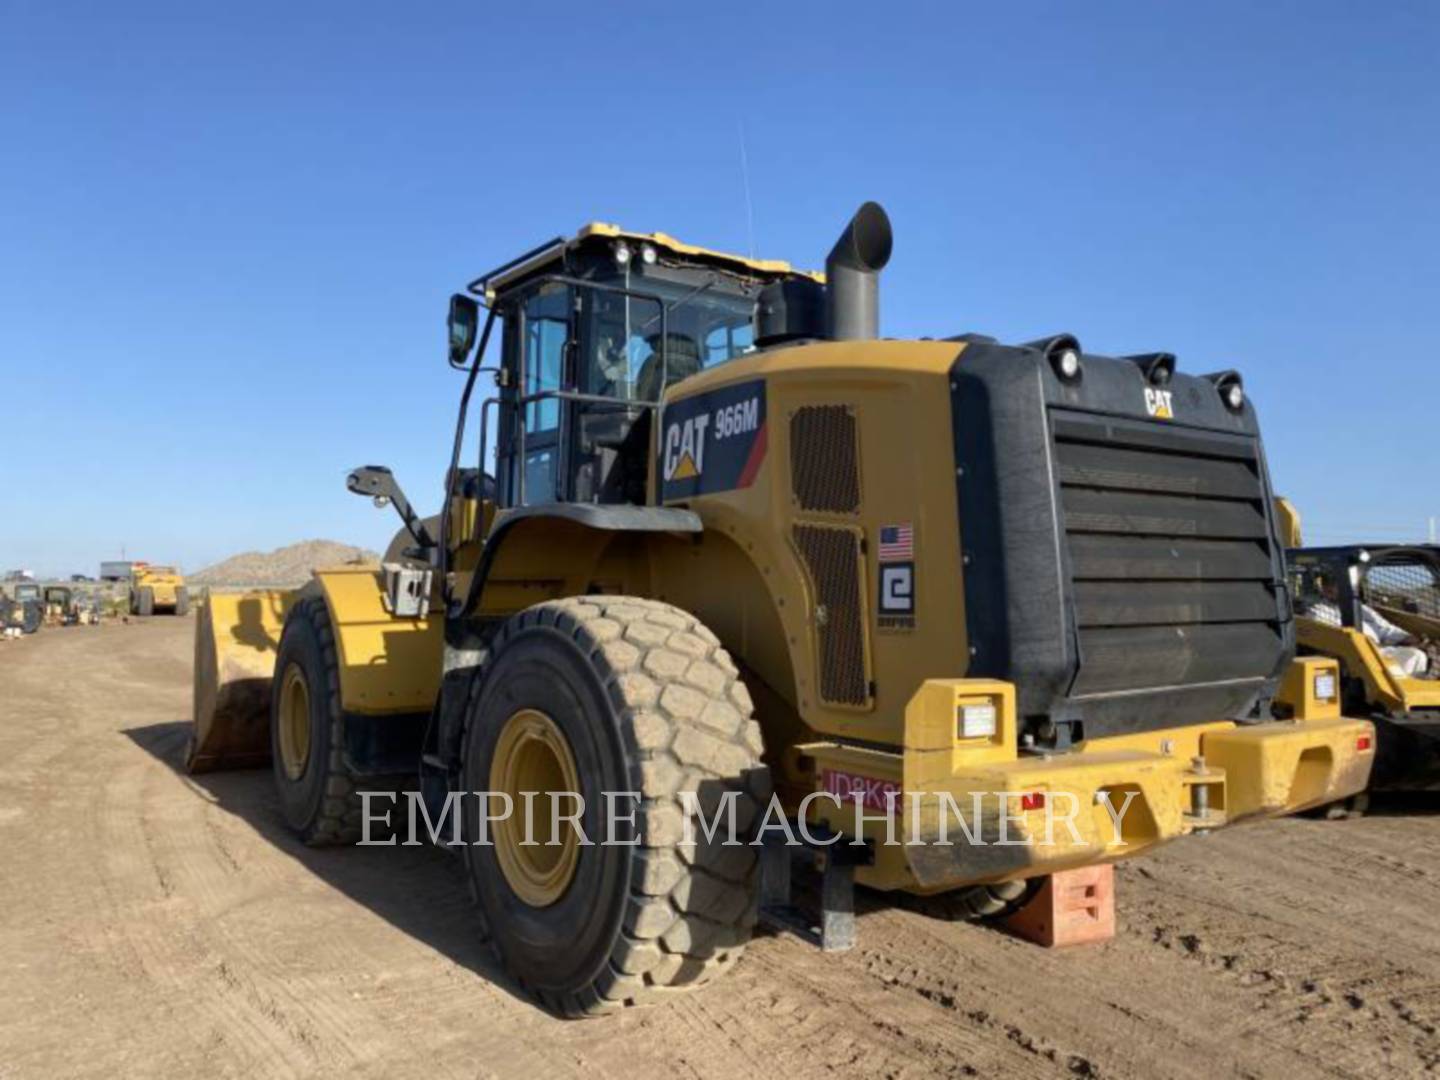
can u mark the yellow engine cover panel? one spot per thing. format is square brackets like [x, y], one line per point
[806, 460]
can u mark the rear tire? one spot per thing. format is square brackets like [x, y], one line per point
[145, 602]
[307, 734]
[32, 615]
[182, 601]
[646, 700]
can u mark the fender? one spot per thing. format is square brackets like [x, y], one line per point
[387, 665]
[389, 671]
[606, 521]
[462, 650]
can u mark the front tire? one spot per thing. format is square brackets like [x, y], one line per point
[145, 602]
[317, 794]
[182, 601]
[629, 695]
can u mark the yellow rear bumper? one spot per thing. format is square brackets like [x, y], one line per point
[1284, 767]
[968, 811]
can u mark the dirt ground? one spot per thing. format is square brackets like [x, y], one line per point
[155, 924]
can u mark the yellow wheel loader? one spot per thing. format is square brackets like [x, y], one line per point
[156, 589]
[736, 543]
[1375, 609]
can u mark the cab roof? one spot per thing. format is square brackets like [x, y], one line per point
[554, 252]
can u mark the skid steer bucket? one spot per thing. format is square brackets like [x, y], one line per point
[236, 638]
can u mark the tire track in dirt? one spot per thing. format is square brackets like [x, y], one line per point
[1315, 946]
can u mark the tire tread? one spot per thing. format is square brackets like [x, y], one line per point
[681, 934]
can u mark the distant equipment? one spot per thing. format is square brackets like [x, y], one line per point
[157, 589]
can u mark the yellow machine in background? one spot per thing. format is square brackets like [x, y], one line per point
[157, 589]
[1375, 610]
[736, 543]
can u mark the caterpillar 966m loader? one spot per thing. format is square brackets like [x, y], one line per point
[1375, 609]
[735, 540]
[158, 588]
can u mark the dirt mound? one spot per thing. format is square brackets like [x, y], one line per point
[286, 566]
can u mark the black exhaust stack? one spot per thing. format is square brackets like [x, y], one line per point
[852, 275]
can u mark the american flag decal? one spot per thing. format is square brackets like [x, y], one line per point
[897, 543]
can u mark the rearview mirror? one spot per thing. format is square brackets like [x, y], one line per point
[464, 318]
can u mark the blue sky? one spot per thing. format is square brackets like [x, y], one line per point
[228, 233]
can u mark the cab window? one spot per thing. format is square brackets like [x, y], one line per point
[547, 328]
[546, 332]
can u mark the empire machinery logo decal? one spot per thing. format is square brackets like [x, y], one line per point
[714, 441]
[896, 555]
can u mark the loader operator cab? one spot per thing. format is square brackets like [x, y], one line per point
[594, 329]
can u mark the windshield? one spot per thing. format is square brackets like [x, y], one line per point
[702, 326]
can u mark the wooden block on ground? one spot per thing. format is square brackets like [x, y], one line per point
[1073, 907]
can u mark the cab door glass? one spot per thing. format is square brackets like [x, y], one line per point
[547, 329]
[546, 334]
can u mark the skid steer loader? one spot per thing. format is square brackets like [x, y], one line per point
[1375, 609]
[66, 607]
[27, 611]
[156, 589]
[736, 542]
[19, 616]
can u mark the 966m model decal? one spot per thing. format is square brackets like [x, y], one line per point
[713, 441]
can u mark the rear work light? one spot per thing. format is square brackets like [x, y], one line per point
[977, 720]
[1325, 686]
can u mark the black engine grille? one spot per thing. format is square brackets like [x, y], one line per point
[1171, 561]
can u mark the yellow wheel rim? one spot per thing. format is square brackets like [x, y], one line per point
[294, 722]
[533, 755]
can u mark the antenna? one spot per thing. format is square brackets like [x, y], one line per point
[745, 180]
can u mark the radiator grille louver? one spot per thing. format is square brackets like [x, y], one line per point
[1170, 555]
[832, 558]
[825, 459]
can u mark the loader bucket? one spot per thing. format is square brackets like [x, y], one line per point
[236, 639]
